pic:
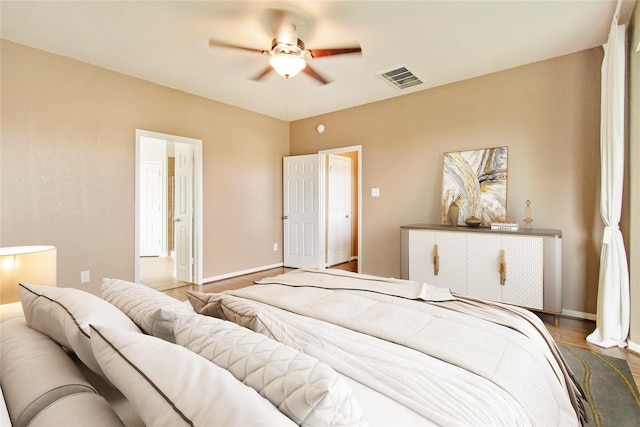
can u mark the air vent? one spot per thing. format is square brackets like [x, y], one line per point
[400, 78]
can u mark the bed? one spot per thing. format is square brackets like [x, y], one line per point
[414, 354]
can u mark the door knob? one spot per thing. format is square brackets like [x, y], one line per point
[285, 217]
[346, 216]
[177, 219]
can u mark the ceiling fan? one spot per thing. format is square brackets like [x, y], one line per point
[288, 55]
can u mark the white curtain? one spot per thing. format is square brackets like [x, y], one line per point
[612, 322]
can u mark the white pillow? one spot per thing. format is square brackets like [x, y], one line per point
[143, 305]
[171, 386]
[64, 314]
[243, 313]
[308, 391]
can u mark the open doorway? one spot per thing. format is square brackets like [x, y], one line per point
[306, 217]
[168, 213]
[343, 202]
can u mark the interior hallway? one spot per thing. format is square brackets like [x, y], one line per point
[157, 273]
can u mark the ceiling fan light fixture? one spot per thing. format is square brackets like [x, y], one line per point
[287, 64]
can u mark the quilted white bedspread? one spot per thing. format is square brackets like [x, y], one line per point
[450, 367]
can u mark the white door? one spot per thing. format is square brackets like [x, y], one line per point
[339, 210]
[150, 208]
[183, 212]
[303, 247]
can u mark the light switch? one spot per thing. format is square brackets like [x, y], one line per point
[375, 192]
[85, 276]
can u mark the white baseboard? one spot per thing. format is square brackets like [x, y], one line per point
[633, 346]
[579, 314]
[240, 273]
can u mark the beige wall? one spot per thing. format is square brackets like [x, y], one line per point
[634, 176]
[68, 166]
[67, 162]
[547, 113]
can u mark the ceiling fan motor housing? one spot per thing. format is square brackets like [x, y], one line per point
[282, 47]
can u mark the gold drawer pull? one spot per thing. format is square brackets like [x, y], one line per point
[436, 260]
[502, 268]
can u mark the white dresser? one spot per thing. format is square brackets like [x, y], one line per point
[522, 267]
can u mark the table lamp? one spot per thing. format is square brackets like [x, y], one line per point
[24, 264]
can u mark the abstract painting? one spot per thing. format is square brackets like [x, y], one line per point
[476, 181]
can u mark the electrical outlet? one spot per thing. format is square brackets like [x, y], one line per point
[85, 276]
[275, 247]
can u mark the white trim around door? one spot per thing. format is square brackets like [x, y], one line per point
[197, 199]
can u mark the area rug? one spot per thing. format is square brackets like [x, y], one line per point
[612, 395]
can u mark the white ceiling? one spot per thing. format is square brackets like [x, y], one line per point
[166, 42]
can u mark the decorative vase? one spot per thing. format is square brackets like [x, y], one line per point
[452, 214]
[472, 221]
[527, 213]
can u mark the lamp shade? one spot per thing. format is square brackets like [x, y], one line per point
[287, 64]
[25, 264]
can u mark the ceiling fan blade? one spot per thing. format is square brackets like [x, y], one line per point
[317, 53]
[263, 73]
[217, 43]
[313, 73]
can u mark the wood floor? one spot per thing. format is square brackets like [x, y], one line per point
[569, 331]
[157, 273]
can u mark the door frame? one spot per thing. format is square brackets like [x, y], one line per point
[197, 200]
[358, 149]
